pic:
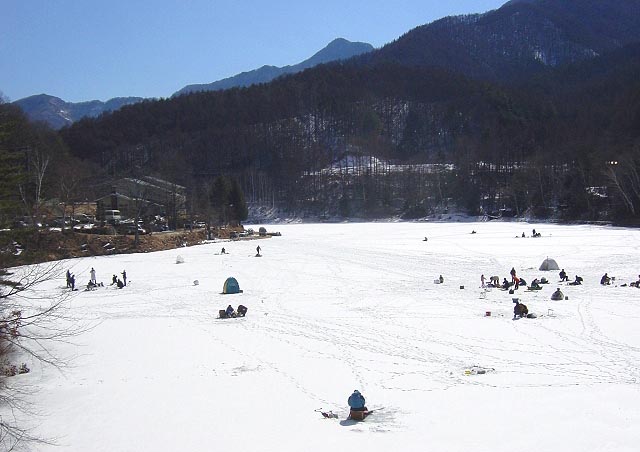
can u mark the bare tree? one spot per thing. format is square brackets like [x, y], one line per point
[617, 177]
[38, 162]
[30, 320]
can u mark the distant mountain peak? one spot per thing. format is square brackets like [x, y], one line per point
[338, 49]
[513, 2]
[59, 113]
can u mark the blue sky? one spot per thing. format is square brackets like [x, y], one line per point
[88, 49]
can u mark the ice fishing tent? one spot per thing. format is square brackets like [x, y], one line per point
[549, 264]
[231, 286]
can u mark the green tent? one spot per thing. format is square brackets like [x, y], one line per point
[231, 286]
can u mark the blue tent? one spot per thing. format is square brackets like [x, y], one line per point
[231, 286]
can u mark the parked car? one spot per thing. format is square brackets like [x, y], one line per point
[131, 230]
[86, 228]
[112, 216]
[82, 218]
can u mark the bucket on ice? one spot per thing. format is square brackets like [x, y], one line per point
[487, 314]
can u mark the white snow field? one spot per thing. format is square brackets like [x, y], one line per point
[338, 307]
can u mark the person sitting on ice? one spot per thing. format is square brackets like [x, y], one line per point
[505, 284]
[230, 311]
[605, 280]
[441, 279]
[223, 251]
[120, 284]
[357, 407]
[557, 295]
[535, 284]
[242, 310]
[577, 281]
[91, 285]
[520, 310]
[563, 275]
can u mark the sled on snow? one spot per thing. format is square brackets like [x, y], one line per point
[355, 415]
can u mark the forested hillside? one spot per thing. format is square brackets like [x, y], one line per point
[538, 145]
[557, 137]
[519, 39]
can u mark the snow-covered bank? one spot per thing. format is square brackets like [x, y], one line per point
[337, 307]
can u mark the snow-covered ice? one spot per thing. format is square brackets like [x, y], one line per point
[338, 307]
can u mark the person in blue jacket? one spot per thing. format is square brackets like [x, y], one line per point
[356, 401]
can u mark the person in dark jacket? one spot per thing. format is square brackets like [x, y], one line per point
[535, 284]
[242, 310]
[605, 280]
[577, 282]
[124, 277]
[520, 310]
[357, 401]
[563, 276]
[230, 311]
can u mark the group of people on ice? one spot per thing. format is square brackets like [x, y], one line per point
[533, 234]
[565, 278]
[232, 313]
[536, 284]
[93, 282]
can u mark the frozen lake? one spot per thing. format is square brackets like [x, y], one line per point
[338, 307]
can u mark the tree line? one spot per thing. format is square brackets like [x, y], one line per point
[562, 144]
[542, 147]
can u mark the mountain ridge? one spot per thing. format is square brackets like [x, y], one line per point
[59, 113]
[338, 49]
[518, 39]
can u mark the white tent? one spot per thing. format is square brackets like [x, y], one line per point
[549, 264]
